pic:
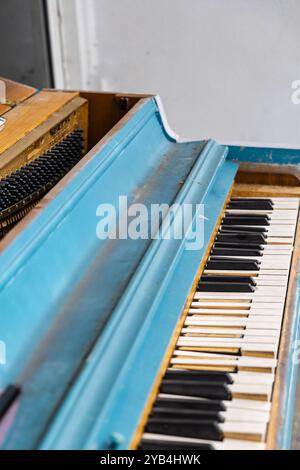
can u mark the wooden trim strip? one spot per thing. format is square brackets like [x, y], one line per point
[258, 190]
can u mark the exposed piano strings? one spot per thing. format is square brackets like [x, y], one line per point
[232, 330]
[21, 190]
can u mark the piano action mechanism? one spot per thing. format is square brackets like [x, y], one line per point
[141, 343]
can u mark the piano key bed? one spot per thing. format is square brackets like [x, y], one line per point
[217, 390]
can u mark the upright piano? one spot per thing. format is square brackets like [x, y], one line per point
[142, 342]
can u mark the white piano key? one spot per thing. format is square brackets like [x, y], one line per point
[275, 259]
[279, 231]
[236, 220]
[220, 295]
[278, 247]
[270, 290]
[252, 321]
[226, 444]
[212, 312]
[290, 215]
[267, 292]
[244, 362]
[259, 291]
[253, 378]
[227, 331]
[231, 444]
[270, 282]
[272, 277]
[271, 240]
[264, 263]
[219, 317]
[247, 339]
[259, 390]
[243, 428]
[265, 256]
[228, 299]
[256, 295]
[238, 305]
[287, 235]
[281, 223]
[266, 348]
[242, 404]
[274, 252]
[285, 206]
[245, 415]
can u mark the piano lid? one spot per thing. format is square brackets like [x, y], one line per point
[75, 309]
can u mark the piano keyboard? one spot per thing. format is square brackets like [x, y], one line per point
[217, 390]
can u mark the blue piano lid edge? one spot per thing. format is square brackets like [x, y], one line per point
[52, 439]
[50, 216]
[267, 155]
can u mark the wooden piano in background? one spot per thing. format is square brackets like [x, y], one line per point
[142, 344]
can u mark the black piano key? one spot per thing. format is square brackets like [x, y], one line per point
[190, 404]
[174, 413]
[249, 216]
[224, 287]
[234, 279]
[157, 444]
[7, 397]
[235, 252]
[212, 390]
[239, 245]
[241, 231]
[204, 375]
[245, 220]
[232, 259]
[246, 199]
[244, 229]
[232, 265]
[251, 205]
[209, 430]
[238, 238]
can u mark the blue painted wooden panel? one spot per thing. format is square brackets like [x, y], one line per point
[61, 287]
[146, 316]
[271, 155]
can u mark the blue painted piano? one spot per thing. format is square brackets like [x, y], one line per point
[127, 342]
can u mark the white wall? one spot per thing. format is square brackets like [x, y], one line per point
[223, 68]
